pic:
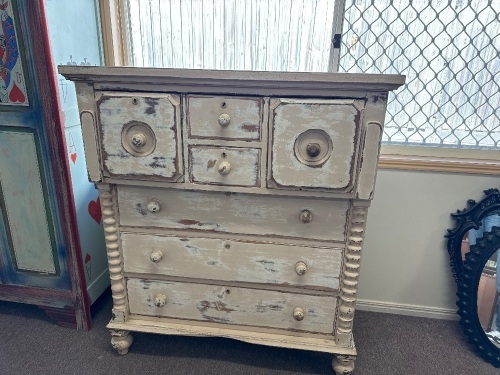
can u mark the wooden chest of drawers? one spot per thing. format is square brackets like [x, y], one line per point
[234, 203]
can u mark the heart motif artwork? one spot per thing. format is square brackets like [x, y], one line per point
[95, 210]
[73, 157]
[16, 95]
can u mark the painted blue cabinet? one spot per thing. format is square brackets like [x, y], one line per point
[52, 251]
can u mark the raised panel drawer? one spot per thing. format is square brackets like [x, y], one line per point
[314, 143]
[140, 133]
[231, 305]
[218, 117]
[233, 213]
[224, 166]
[229, 260]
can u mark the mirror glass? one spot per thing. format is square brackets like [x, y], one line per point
[488, 303]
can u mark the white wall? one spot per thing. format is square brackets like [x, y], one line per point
[405, 264]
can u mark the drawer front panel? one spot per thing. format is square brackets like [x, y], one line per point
[231, 305]
[224, 166]
[234, 213]
[220, 117]
[139, 134]
[217, 259]
[315, 143]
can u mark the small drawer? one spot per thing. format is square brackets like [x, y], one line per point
[230, 260]
[232, 305]
[224, 166]
[140, 135]
[314, 143]
[278, 217]
[219, 117]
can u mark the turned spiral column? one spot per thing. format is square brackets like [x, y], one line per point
[115, 261]
[349, 287]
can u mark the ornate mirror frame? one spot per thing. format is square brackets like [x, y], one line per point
[470, 217]
[467, 294]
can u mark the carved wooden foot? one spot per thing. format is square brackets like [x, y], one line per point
[343, 364]
[121, 341]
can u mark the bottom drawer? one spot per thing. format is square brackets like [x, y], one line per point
[232, 305]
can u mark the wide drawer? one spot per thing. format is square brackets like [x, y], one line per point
[228, 166]
[231, 305]
[230, 260]
[289, 217]
[218, 117]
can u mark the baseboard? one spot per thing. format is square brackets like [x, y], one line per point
[411, 310]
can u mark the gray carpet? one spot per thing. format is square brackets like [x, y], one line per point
[387, 345]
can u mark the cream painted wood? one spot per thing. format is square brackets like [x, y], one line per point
[277, 217]
[139, 134]
[232, 260]
[232, 305]
[219, 117]
[330, 127]
[224, 166]
[290, 198]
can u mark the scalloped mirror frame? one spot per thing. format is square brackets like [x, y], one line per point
[470, 217]
[467, 294]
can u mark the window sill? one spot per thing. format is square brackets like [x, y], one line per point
[484, 162]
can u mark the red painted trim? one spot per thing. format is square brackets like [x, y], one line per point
[53, 120]
[36, 296]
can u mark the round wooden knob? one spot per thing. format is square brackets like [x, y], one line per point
[298, 314]
[224, 167]
[301, 268]
[224, 119]
[156, 256]
[154, 206]
[313, 149]
[160, 300]
[305, 216]
[138, 140]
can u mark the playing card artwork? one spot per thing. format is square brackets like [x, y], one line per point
[12, 85]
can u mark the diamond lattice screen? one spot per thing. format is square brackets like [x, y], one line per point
[449, 51]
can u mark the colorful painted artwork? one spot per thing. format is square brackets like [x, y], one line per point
[12, 84]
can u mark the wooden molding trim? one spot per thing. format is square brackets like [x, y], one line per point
[440, 164]
[112, 32]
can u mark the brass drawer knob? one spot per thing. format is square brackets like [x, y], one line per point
[138, 140]
[224, 119]
[156, 256]
[154, 206]
[313, 149]
[160, 300]
[298, 314]
[301, 268]
[224, 168]
[305, 216]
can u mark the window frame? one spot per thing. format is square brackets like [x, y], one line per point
[413, 158]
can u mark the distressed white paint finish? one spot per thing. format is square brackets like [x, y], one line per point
[86, 106]
[232, 305]
[160, 112]
[369, 157]
[339, 119]
[232, 260]
[24, 202]
[262, 225]
[206, 165]
[234, 213]
[244, 114]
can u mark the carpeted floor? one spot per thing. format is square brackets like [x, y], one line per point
[387, 345]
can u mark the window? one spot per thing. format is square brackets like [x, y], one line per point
[448, 49]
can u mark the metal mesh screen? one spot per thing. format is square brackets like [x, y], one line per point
[449, 51]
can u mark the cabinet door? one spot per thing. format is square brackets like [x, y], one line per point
[32, 253]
